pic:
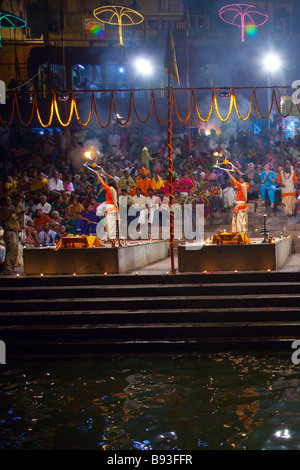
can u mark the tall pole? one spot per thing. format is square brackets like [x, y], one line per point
[62, 24]
[188, 79]
[170, 106]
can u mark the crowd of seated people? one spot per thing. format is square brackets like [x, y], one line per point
[61, 196]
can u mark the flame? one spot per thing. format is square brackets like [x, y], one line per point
[88, 154]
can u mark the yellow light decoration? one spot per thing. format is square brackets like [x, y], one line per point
[119, 16]
[54, 111]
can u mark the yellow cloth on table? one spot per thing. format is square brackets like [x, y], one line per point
[230, 238]
[78, 242]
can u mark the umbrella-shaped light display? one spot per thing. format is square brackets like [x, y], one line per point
[243, 15]
[8, 20]
[118, 15]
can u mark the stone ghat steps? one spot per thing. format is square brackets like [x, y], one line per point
[139, 279]
[164, 302]
[9, 319]
[146, 291]
[96, 314]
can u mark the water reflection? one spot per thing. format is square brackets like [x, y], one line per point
[218, 401]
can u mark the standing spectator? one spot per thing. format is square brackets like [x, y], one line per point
[146, 157]
[287, 179]
[9, 219]
[254, 181]
[268, 184]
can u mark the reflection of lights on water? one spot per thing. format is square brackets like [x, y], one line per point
[283, 434]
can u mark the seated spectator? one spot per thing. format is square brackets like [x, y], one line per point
[75, 208]
[87, 221]
[89, 195]
[79, 192]
[68, 185]
[215, 197]
[126, 181]
[32, 239]
[157, 181]
[44, 205]
[178, 200]
[143, 183]
[69, 223]
[60, 205]
[184, 183]
[10, 186]
[40, 220]
[39, 182]
[48, 236]
[204, 200]
[24, 183]
[55, 218]
[2, 246]
[55, 184]
[62, 232]
[83, 182]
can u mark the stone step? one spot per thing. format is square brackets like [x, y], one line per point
[94, 347]
[171, 302]
[174, 316]
[163, 331]
[54, 293]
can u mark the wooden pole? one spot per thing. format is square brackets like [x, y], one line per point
[170, 106]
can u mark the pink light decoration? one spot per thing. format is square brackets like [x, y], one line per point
[243, 14]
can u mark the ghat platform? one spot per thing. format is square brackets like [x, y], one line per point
[256, 256]
[94, 260]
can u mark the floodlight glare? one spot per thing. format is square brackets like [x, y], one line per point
[143, 66]
[272, 62]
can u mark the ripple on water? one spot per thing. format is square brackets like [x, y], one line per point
[195, 401]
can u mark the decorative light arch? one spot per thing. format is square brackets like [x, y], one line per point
[118, 15]
[243, 15]
[8, 20]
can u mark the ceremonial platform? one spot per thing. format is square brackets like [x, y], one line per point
[253, 256]
[93, 259]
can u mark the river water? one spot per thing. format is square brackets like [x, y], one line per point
[151, 402]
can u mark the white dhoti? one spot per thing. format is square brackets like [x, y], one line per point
[289, 204]
[112, 215]
[239, 219]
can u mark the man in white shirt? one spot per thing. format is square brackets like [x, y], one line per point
[44, 205]
[55, 185]
[138, 208]
[47, 236]
[152, 204]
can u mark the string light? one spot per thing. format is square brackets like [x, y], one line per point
[73, 112]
